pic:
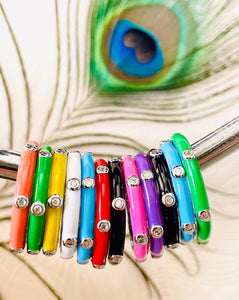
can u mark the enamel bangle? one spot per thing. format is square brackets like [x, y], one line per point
[167, 199]
[152, 205]
[196, 185]
[22, 195]
[137, 216]
[118, 218]
[39, 200]
[55, 202]
[102, 215]
[71, 211]
[87, 210]
[182, 192]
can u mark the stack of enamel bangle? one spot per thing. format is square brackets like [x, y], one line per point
[163, 192]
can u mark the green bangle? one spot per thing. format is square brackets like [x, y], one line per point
[196, 185]
[39, 200]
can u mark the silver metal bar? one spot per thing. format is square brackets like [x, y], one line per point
[218, 143]
[208, 149]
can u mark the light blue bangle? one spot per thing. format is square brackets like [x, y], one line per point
[87, 210]
[182, 192]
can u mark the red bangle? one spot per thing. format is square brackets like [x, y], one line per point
[22, 197]
[102, 214]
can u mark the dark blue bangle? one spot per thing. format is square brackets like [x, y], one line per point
[87, 210]
[152, 205]
[182, 192]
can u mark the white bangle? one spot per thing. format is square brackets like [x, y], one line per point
[71, 212]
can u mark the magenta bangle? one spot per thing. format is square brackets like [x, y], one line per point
[136, 209]
[152, 205]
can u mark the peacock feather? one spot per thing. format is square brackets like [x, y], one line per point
[158, 44]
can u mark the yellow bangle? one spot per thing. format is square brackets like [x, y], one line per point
[55, 202]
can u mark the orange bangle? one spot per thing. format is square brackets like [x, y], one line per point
[22, 197]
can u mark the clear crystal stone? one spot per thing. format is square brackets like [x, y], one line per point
[104, 226]
[141, 239]
[189, 154]
[70, 242]
[133, 181]
[157, 231]
[31, 147]
[168, 199]
[205, 215]
[44, 153]
[115, 259]
[147, 175]
[178, 172]
[61, 151]
[118, 203]
[102, 169]
[154, 152]
[38, 209]
[88, 182]
[87, 243]
[189, 228]
[55, 201]
[73, 184]
[21, 202]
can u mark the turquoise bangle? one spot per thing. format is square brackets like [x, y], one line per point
[39, 200]
[196, 185]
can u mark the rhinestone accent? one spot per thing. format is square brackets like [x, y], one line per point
[104, 225]
[147, 175]
[55, 201]
[88, 183]
[33, 252]
[115, 159]
[157, 231]
[178, 172]
[102, 170]
[31, 147]
[98, 267]
[154, 152]
[115, 259]
[49, 252]
[70, 242]
[133, 181]
[141, 239]
[118, 203]
[38, 209]
[16, 250]
[173, 246]
[61, 151]
[205, 215]
[87, 243]
[189, 154]
[73, 184]
[168, 199]
[21, 202]
[189, 228]
[44, 153]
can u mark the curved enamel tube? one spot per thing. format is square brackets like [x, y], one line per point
[136, 209]
[71, 211]
[22, 196]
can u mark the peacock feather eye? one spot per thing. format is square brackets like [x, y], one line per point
[144, 44]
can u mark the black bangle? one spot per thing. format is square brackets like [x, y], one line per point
[118, 205]
[167, 198]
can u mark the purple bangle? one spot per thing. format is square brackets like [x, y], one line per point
[152, 204]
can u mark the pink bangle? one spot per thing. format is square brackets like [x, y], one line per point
[137, 215]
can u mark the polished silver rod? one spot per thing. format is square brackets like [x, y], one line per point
[208, 149]
[218, 143]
